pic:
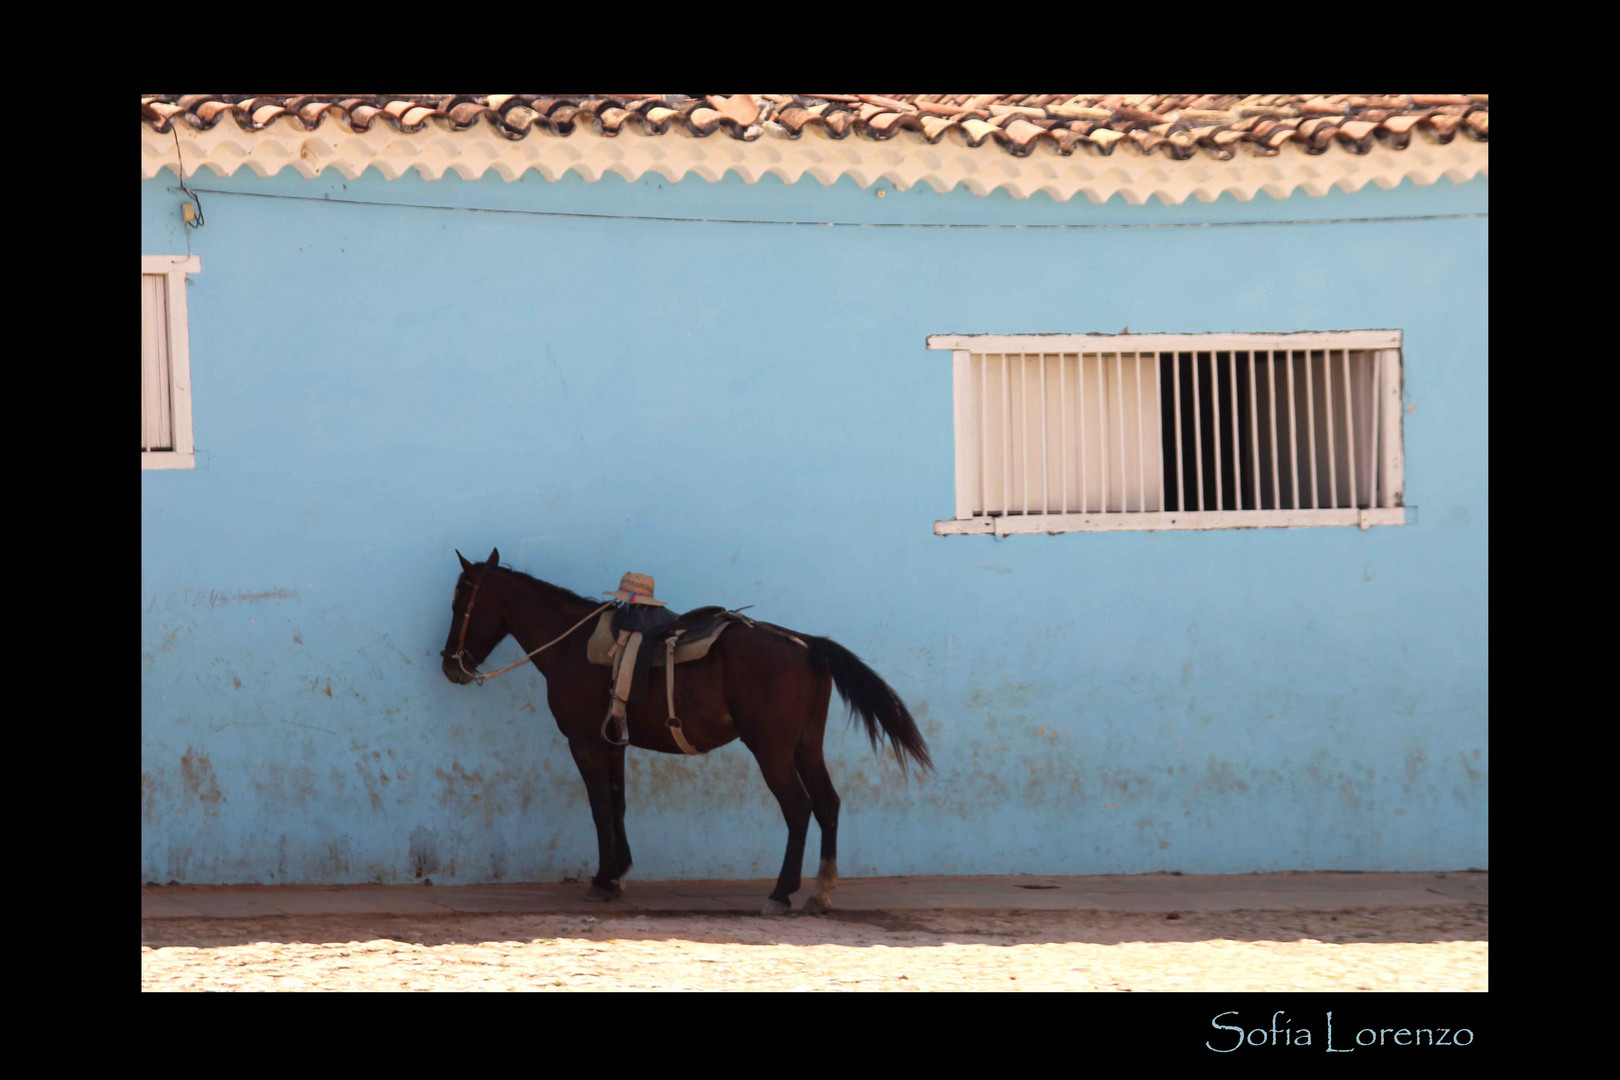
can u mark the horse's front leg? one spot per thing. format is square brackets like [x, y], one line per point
[594, 761]
[621, 851]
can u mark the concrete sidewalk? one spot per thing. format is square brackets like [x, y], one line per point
[1135, 892]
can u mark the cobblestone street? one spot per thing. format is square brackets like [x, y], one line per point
[1443, 946]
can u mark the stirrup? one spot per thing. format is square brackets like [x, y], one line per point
[607, 722]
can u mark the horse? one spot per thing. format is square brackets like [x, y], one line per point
[756, 684]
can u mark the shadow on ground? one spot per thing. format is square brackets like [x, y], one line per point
[848, 928]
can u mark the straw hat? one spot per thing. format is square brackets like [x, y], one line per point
[635, 589]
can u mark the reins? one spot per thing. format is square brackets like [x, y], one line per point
[481, 679]
[461, 643]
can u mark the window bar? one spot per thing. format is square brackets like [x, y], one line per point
[1080, 381]
[166, 370]
[1158, 438]
[984, 436]
[1254, 437]
[1063, 429]
[1349, 428]
[148, 357]
[1372, 450]
[160, 421]
[1102, 431]
[1006, 440]
[1271, 389]
[1215, 419]
[1310, 428]
[146, 351]
[1046, 479]
[1141, 440]
[1237, 435]
[1293, 429]
[1023, 421]
[146, 443]
[1327, 394]
[148, 362]
[1006, 425]
[1181, 480]
[1198, 432]
[1119, 400]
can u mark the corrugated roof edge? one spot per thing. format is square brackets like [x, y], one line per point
[434, 145]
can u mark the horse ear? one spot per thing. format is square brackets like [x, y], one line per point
[465, 565]
[494, 557]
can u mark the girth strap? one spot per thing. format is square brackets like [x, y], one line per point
[615, 727]
[674, 722]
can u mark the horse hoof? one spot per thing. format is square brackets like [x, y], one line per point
[817, 906]
[775, 907]
[601, 895]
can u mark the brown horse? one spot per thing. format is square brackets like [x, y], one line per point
[755, 685]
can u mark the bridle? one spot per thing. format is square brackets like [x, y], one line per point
[461, 638]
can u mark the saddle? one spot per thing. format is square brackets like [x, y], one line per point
[633, 638]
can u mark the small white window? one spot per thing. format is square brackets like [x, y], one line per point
[166, 363]
[1089, 432]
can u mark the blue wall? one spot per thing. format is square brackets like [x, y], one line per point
[749, 413]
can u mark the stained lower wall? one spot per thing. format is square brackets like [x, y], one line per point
[748, 412]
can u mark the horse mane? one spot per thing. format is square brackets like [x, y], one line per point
[558, 590]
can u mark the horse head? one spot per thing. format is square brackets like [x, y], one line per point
[475, 628]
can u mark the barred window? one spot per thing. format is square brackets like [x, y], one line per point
[1088, 432]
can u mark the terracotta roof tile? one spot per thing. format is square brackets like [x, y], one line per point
[886, 121]
[1176, 125]
[1445, 125]
[1023, 132]
[739, 107]
[998, 110]
[839, 121]
[361, 115]
[978, 130]
[1105, 138]
[888, 103]
[161, 111]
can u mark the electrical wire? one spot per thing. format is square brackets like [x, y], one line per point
[832, 224]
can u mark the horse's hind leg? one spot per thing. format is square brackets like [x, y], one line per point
[783, 779]
[812, 769]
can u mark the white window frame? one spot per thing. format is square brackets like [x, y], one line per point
[175, 268]
[1389, 508]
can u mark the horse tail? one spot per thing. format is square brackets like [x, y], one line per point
[872, 699]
